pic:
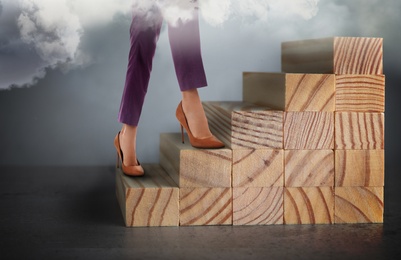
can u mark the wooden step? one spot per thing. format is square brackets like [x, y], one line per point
[359, 204]
[258, 206]
[195, 168]
[290, 92]
[359, 168]
[242, 125]
[360, 93]
[309, 168]
[337, 55]
[205, 206]
[309, 131]
[311, 205]
[152, 200]
[359, 131]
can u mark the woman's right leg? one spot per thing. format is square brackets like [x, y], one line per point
[143, 35]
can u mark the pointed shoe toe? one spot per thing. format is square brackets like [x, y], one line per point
[134, 171]
[207, 143]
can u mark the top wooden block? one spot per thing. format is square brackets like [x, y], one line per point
[290, 91]
[337, 55]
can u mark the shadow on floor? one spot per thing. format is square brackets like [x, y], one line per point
[72, 212]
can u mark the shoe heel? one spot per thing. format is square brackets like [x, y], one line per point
[182, 134]
[118, 161]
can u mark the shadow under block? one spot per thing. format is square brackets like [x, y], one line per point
[309, 130]
[360, 93]
[242, 125]
[190, 167]
[359, 131]
[309, 168]
[359, 168]
[152, 200]
[258, 206]
[205, 206]
[290, 92]
[258, 168]
[359, 204]
[312, 205]
[337, 55]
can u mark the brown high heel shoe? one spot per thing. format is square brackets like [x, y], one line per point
[135, 170]
[210, 142]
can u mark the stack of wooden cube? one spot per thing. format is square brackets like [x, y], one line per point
[305, 146]
[357, 65]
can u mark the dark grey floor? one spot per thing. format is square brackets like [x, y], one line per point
[72, 213]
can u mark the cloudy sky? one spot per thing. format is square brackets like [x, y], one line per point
[62, 64]
[40, 34]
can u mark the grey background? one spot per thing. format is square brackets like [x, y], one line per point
[71, 118]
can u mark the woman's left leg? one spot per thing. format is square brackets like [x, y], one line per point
[186, 50]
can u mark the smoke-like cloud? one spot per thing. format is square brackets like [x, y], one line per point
[51, 28]
[50, 32]
[217, 12]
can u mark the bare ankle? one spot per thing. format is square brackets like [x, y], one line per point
[128, 144]
[195, 114]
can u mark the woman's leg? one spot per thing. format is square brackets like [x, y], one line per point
[143, 38]
[187, 57]
[193, 109]
[140, 60]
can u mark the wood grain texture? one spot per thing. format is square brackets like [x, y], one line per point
[205, 206]
[360, 93]
[309, 168]
[290, 92]
[309, 131]
[191, 167]
[242, 125]
[314, 205]
[337, 55]
[359, 204]
[258, 206]
[258, 168]
[354, 55]
[359, 131]
[359, 168]
[152, 200]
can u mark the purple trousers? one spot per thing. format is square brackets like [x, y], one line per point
[186, 51]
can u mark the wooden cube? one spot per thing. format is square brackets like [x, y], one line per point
[258, 206]
[205, 206]
[359, 205]
[290, 92]
[243, 125]
[151, 200]
[309, 168]
[359, 131]
[338, 55]
[313, 205]
[258, 168]
[190, 167]
[360, 93]
[360, 168]
[308, 130]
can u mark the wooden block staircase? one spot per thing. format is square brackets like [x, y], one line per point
[305, 146]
